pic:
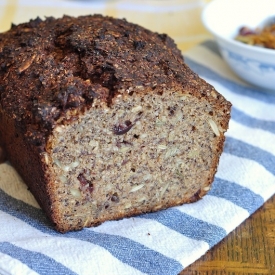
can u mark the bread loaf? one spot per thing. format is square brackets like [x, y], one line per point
[104, 120]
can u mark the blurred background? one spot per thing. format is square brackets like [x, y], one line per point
[178, 18]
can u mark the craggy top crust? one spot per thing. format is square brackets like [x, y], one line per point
[51, 66]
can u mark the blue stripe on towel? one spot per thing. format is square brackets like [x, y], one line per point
[241, 149]
[237, 194]
[255, 93]
[188, 226]
[252, 122]
[126, 250]
[36, 261]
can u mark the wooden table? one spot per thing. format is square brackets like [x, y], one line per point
[249, 249]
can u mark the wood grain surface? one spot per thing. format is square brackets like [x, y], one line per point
[249, 249]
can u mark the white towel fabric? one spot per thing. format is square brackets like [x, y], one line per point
[167, 241]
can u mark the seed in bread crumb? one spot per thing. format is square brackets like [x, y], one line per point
[171, 152]
[214, 127]
[162, 147]
[136, 109]
[57, 163]
[193, 153]
[74, 164]
[46, 157]
[136, 188]
[66, 168]
[164, 189]
[206, 188]
[128, 205]
[75, 192]
[59, 129]
[26, 64]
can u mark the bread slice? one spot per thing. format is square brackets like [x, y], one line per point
[104, 120]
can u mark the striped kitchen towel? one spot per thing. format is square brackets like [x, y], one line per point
[167, 241]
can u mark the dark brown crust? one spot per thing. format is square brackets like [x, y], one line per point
[50, 67]
[3, 156]
[25, 157]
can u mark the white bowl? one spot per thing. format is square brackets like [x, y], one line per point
[223, 19]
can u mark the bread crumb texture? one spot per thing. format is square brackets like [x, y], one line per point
[104, 120]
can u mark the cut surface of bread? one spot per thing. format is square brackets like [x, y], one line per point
[104, 120]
